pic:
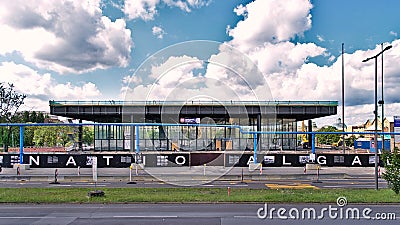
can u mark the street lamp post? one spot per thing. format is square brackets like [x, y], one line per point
[382, 102]
[376, 111]
[343, 135]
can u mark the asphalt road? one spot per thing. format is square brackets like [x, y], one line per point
[273, 184]
[193, 214]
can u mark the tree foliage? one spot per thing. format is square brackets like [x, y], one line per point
[25, 117]
[328, 139]
[10, 101]
[350, 141]
[52, 136]
[392, 170]
[88, 135]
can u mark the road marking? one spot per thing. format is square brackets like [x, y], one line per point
[59, 185]
[80, 183]
[225, 185]
[151, 183]
[145, 216]
[24, 183]
[28, 217]
[350, 186]
[290, 186]
[90, 185]
[245, 217]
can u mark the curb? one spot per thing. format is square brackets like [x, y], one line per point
[173, 177]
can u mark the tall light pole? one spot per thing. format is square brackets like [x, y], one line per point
[343, 137]
[381, 102]
[376, 111]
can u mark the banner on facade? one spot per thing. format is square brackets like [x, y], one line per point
[396, 129]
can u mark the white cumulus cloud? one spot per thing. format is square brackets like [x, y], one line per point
[64, 36]
[265, 35]
[270, 21]
[40, 88]
[158, 32]
[320, 38]
[147, 9]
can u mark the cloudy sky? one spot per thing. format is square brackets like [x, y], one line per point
[249, 50]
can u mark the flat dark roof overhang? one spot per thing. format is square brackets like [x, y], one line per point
[113, 111]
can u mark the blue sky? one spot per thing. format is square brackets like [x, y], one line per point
[90, 50]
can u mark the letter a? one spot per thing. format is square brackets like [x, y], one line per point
[71, 160]
[356, 160]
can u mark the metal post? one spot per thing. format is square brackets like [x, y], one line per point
[137, 139]
[80, 136]
[259, 128]
[383, 102]
[130, 173]
[343, 136]
[21, 144]
[241, 179]
[313, 143]
[255, 148]
[376, 123]
[376, 111]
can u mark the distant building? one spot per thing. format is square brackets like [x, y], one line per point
[339, 124]
[52, 119]
[369, 126]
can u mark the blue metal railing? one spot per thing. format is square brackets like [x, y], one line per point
[137, 125]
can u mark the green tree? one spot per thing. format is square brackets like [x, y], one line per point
[63, 135]
[29, 133]
[328, 139]
[88, 135]
[392, 170]
[52, 136]
[10, 101]
[25, 117]
[44, 136]
[350, 141]
[40, 118]
[33, 117]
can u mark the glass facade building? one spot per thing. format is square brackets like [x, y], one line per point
[194, 126]
[195, 137]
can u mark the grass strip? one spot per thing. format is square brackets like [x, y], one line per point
[180, 195]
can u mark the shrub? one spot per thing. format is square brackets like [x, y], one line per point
[392, 170]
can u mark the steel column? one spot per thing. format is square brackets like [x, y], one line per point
[21, 144]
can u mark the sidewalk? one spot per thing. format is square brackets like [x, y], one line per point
[185, 174]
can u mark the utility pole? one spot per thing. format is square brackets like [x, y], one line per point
[343, 136]
[375, 57]
[382, 103]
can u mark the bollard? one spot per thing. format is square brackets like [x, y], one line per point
[379, 172]
[79, 170]
[204, 170]
[305, 170]
[229, 191]
[317, 181]
[130, 174]
[261, 169]
[18, 171]
[55, 177]
[136, 169]
[242, 178]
